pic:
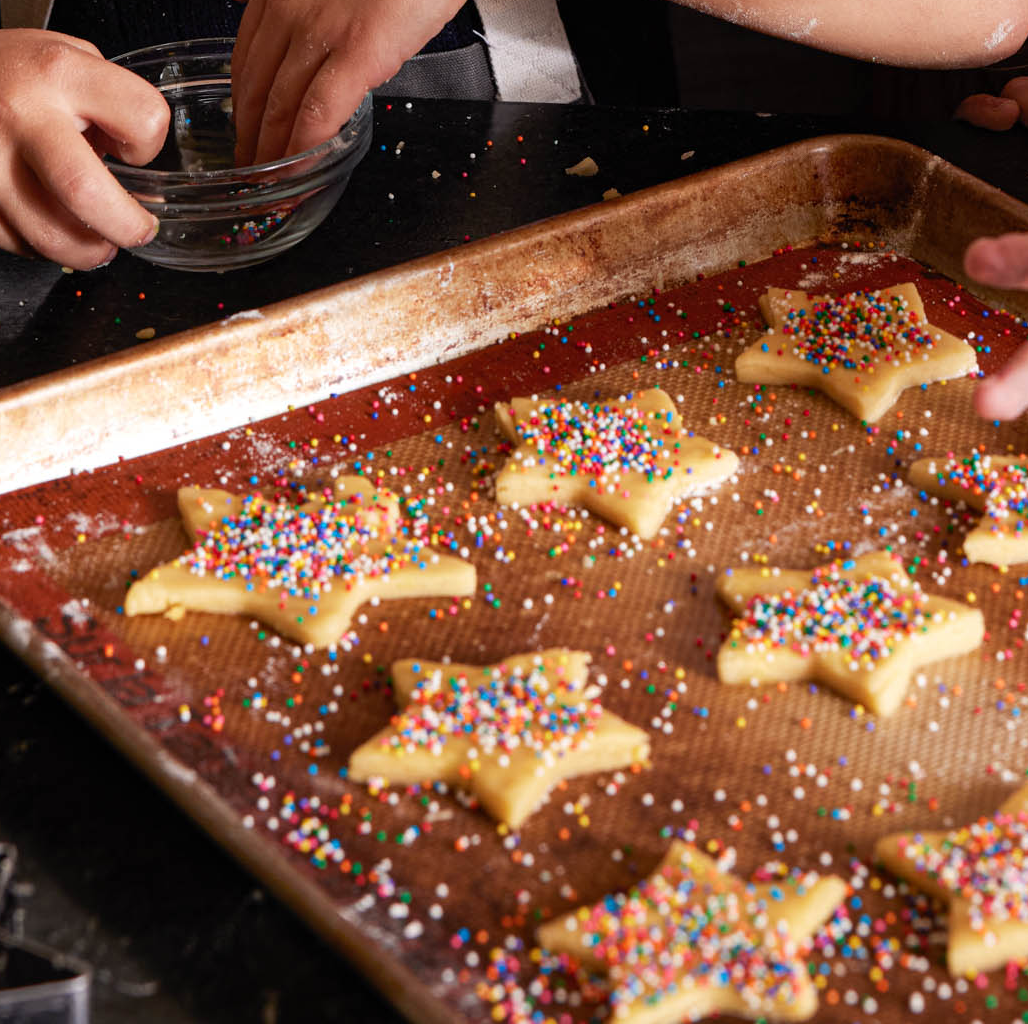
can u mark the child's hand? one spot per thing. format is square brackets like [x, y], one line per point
[997, 112]
[62, 106]
[301, 67]
[1002, 263]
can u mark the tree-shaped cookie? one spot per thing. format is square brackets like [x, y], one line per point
[508, 733]
[996, 486]
[981, 872]
[861, 349]
[627, 459]
[861, 626]
[692, 941]
[301, 569]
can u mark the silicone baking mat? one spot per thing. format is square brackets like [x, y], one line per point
[251, 733]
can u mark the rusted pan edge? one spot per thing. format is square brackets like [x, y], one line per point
[257, 363]
[206, 807]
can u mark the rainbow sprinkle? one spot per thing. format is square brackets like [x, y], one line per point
[677, 928]
[499, 710]
[272, 545]
[1004, 487]
[864, 617]
[595, 440]
[985, 864]
[856, 331]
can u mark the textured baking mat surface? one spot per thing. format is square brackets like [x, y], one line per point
[789, 776]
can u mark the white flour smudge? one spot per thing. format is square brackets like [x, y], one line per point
[75, 611]
[94, 526]
[243, 314]
[999, 35]
[29, 541]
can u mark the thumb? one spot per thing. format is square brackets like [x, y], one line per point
[1000, 262]
[994, 112]
[1004, 395]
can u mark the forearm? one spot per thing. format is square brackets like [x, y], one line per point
[915, 33]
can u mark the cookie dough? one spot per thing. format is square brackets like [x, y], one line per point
[301, 569]
[626, 459]
[693, 941]
[508, 733]
[981, 872]
[862, 626]
[862, 349]
[995, 485]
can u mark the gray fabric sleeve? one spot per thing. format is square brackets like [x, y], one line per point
[462, 74]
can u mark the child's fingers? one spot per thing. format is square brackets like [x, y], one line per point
[309, 108]
[1000, 262]
[11, 241]
[249, 25]
[288, 94]
[57, 197]
[1017, 90]
[33, 218]
[66, 166]
[1004, 395]
[985, 111]
[263, 59]
[54, 38]
[997, 113]
[331, 98]
[248, 29]
[128, 110]
[72, 80]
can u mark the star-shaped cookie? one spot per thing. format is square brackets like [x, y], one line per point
[627, 459]
[995, 485]
[861, 626]
[981, 872]
[692, 941]
[301, 569]
[508, 733]
[861, 349]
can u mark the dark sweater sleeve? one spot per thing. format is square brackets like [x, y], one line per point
[117, 28]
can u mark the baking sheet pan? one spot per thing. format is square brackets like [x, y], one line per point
[434, 903]
[258, 362]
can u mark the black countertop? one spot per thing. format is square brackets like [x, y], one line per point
[109, 870]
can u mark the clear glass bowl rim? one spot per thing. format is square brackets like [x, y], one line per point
[324, 155]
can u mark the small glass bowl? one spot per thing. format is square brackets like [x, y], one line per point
[215, 216]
